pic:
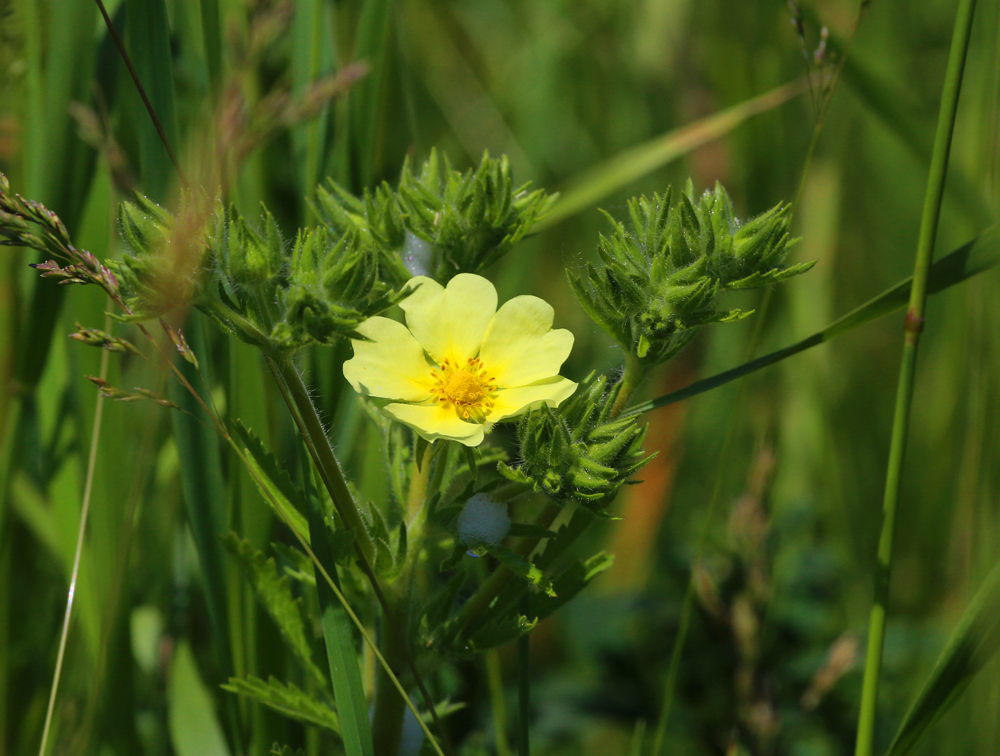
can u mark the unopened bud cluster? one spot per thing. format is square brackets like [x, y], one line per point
[658, 281]
[577, 452]
[469, 220]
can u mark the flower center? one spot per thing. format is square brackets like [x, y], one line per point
[464, 388]
[468, 388]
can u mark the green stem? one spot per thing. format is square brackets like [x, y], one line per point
[390, 706]
[634, 373]
[904, 392]
[524, 687]
[326, 461]
[498, 704]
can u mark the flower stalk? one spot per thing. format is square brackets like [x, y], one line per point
[904, 393]
[322, 453]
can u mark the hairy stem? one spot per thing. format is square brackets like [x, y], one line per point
[904, 392]
[329, 467]
[634, 373]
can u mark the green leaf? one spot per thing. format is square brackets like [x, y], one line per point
[975, 641]
[287, 699]
[280, 750]
[345, 673]
[502, 631]
[522, 568]
[972, 258]
[148, 41]
[273, 481]
[194, 727]
[569, 584]
[275, 594]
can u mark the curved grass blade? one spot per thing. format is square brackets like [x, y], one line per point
[621, 170]
[972, 258]
[975, 641]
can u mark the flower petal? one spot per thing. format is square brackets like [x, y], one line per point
[450, 322]
[516, 401]
[519, 348]
[392, 365]
[434, 421]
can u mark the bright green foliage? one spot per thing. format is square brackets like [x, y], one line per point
[275, 594]
[287, 699]
[576, 452]
[658, 282]
[470, 220]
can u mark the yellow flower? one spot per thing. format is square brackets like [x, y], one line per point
[459, 364]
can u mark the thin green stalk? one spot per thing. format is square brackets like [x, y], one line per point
[313, 129]
[634, 373]
[498, 703]
[904, 393]
[211, 32]
[88, 487]
[524, 686]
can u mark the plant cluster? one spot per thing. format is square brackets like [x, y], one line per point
[458, 367]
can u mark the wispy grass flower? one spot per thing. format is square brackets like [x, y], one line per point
[460, 364]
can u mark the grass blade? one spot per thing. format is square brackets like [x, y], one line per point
[912, 328]
[345, 672]
[194, 728]
[975, 641]
[149, 48]
[212, 38]
[973, 258]
[633, 164]
[371, 46]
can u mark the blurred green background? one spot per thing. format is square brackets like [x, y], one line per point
[560, 86]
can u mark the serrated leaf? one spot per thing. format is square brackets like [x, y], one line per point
[273, 481]
[286, 699]
[274, 592]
